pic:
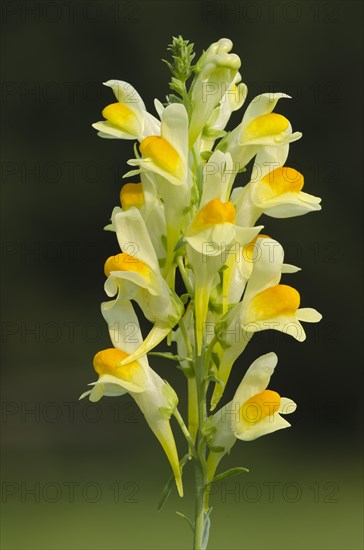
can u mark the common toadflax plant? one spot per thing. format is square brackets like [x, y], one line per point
[182, 216]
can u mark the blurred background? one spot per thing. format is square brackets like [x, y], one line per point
[84, 476]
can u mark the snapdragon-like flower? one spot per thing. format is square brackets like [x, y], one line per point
[155, 398]
[232, 100]
[209, 237]
[216, 72]
[269, 304]
[165, 160]
[134, 274]
[166, 154]
[266, 304]
[253, 412]
[138, 265]
[143, 196]
[274, 190]
[128, 118]
[260, 128]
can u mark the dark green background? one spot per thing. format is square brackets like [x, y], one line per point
[59, 184]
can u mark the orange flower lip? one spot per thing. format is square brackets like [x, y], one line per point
[275, 301]
[125, 262]
[260, 406]
[122, 116]
[107, 360]
[163, 154]
[283, 180]
[271, 124]
[131, 194]
[213, 213]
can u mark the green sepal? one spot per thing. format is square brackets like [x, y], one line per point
[215, 359]
[208, 431]
[216, 449]
[213, 134]
[220, 328]
[172, 400]
[184, 298]
[181, 242]
[177, 86]
[172, 98]
[164, 241]
[172, 319]
[205, 155]
[223, 343]
[215, 307]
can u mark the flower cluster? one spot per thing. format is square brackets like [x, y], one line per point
[183, 219]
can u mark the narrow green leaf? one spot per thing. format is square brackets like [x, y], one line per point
[228, 473]
[132, 173]
[166, 355]
[213, 378]
[170, 484]
[186, 519]
[165, 493]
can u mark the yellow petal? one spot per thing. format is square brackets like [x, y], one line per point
[107, 362]
[283, 180]
[163, 154]
[123, 117]
[276, 301]
[214, 212]
[124, 262]
[260, 406]
[265, 125]
[132, 194]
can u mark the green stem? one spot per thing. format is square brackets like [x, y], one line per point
[212, 464]
[199, 509]
[209, 350]
[182, 326]
[198, 170]
[200, 465]
[192, 408]
[185, 432]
